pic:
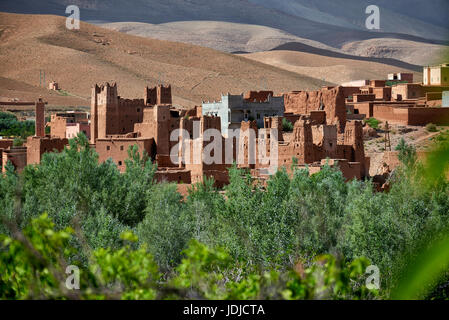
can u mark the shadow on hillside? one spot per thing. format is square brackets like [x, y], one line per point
[300, 47]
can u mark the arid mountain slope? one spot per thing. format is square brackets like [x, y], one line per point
[332, 69]
[408, 28]
[78, 59]
[223, 36]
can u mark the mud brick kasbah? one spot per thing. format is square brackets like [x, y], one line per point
[327, 128]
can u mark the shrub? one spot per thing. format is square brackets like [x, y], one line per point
[287, 126]
[18, 142]
[430, 127]
[373, 123]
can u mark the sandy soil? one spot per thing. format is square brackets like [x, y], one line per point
[80, 58]
[336, 70]
[419, 137]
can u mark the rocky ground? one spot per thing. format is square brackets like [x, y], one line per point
[419, 137]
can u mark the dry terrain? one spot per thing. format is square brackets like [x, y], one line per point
[336, 70]
[410, 30]
[19, 91]
[245, 38]
[416, 136]
[408, 51]
[223, 36]
[80, 58]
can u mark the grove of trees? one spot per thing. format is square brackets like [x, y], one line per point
[301, 237]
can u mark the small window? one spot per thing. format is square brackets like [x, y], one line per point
[119, 163]
[108, 148]
[122, 148]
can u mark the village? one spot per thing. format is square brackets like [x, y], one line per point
[299, 129]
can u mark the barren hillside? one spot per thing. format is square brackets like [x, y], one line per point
[408, 28]
[223, 36]
[78, 59]
[336, 70]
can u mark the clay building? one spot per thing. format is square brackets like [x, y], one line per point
[69, 124]
[233, 109]
[401, 76]
[188, 146]
[310, 144]
[436, 75]
[53, 86]
[153, 125]
[400, 102]
[112, 115]
[36, 145]
[407, 91]
[4, 145]
[39, 144]
[328, 99]
[116, 148]
[17, 156]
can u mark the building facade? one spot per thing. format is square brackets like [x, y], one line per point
[436, 75]
[233, 109]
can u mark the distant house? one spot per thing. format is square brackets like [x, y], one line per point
[436, 75]
[401, 76]
[233, 109]
[53, 86]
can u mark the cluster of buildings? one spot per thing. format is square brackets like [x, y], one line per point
[325, 127]
[399, 100]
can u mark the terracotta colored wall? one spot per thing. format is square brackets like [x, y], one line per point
[365, 108]
[350, 91]
[6, 143]
[430, 96]
[158, 95]
[58, 127]
[117, 149]
[383, 94]
[364, 97]
[394, 115]
[178, 176]
[37, 146]
[423, 116]
[333, 101]
[258, 96]
[350, 170]
[40, 119]
[377, 83]
[17, 156]
[112, 115]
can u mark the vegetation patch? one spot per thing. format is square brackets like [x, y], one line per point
[373, 123]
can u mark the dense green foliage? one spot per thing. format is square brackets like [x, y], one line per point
[287, 126]
[373, 123]
[11, 127]
[239, 244]
[33, 264]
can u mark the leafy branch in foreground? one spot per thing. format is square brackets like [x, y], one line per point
[33, 265]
